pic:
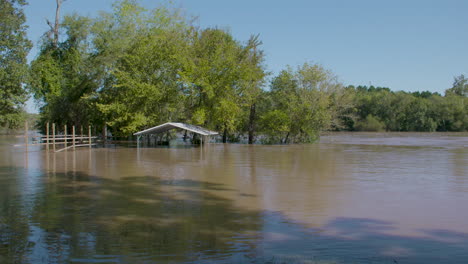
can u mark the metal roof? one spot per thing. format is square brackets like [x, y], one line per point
[168, 126]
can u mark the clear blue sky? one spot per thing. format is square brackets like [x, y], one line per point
[410, 45]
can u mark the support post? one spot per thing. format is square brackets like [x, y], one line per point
[65, 136]
[47, 136]
[53, 135]
[89, 136]
[73, 137]
[81, 135]
[26, 133]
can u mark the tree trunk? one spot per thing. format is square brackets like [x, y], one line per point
[104, 133]
[54, 29]
[57, 19]
[252, 123]
[286, 139]
[225, 136]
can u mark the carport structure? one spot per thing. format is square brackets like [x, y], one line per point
[171, 125]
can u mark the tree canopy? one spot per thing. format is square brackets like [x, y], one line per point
[14, 47]
[135, 68]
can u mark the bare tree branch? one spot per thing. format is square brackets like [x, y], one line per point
[57, 25]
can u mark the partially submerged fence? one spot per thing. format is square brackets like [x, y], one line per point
[60, 141]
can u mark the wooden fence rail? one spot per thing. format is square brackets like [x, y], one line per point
[61, 140]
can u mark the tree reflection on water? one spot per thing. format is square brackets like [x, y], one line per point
[77, 216]
[323, 203]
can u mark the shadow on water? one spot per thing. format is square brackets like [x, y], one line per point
[364, 240]
[80, 218]
[74, 217]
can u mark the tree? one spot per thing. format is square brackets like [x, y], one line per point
[140, 53]
[308, 98]
[147, 89]
[14, 47]
[416, 111]
[459, 87]
[253, 80]
[64, 76]
[54, 28]
[215, 77]
[370, 123]
[450, 113]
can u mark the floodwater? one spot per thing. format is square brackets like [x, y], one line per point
[352, 198]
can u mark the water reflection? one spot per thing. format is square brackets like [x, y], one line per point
[341, 202]
[78, 216]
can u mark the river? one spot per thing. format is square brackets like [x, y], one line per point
[351, 198]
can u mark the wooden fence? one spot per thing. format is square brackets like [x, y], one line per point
[61, 141]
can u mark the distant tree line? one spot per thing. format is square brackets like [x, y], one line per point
[134, 68]
[380, 109]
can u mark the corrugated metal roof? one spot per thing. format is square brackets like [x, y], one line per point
[168, 126]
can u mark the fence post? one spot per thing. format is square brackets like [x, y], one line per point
[65, 136]
[47, 136]
[53, 135]
[73, 137]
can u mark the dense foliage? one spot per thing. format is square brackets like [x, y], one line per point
[135, 68]
[380, 109]
[14, 47]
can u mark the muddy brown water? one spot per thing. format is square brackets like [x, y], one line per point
[351, 198]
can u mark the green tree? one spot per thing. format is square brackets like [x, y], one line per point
[14, 47]
[342, 109]
[416, 111]
[64, 76]
[450, 113]
[218, 73]
[252, 82]
[307, 97]
[459, 87]
[370, 123]
[416, 115]
[140, 52]
[147, 90]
